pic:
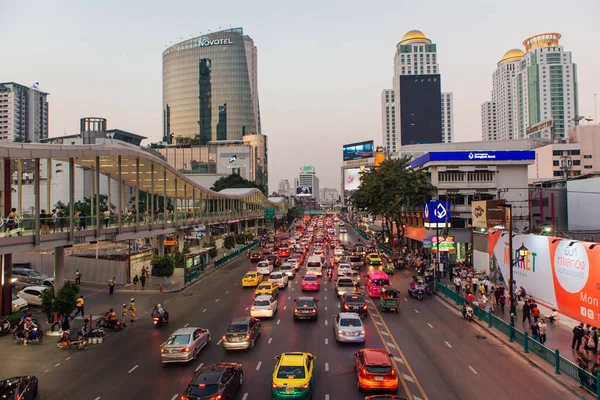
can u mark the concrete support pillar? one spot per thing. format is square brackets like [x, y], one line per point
[120, 189]
[71, 197]
[37, 193]
[6, 260]
[239, 227]
[97, 211]
[59, 268]
[49, 204]
[161, 245]
[20, 187]
[181, 240]
[137, 194]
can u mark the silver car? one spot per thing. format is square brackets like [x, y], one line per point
[242, 333]
[348, 327]
[279, 278]
[344, 285]
[184, 345]
[288, 269]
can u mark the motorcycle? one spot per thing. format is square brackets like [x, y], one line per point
[106, 323]
[330, 274]
[66, 342]
[468, 314]
[35, 335]
[160, 320]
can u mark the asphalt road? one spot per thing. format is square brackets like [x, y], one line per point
[438, 355]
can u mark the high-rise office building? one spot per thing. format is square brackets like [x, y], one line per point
[534, 92]
[284, 188]
[307, 184]
[489, 123]
[210, 89]
[23, 113]
[423, 114]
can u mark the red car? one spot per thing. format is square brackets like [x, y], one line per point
[284, 252]
[374, 370]
[310, 282]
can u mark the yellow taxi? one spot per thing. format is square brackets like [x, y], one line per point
[267, 288]
[374, 259]
[293, 376]
[251, 279]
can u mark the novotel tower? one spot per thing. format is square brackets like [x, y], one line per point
[210, 87]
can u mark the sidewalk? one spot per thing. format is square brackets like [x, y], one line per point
[558, 334]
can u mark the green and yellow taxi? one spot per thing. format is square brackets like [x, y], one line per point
[267, 288]
[252, 279]
[293, 376]
[374, 259]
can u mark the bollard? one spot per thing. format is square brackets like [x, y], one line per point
[556, 362]
[526, 342]
[160, 288]
[490, 319]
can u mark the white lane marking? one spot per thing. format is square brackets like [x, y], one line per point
[405, 299]
[204, 310]
[326, 341]
[245, 396]
[198, 367]
[390, 345]
[326, 367]
[98, 398]
[132, 369]
[408, 378]
[278, 321]
[289, 297]
[175, 396]
[325, 289]
[417, 311]
[227, 292]
[46, 371]
[448, 344]
[416, 398]
[217, 300]
[326, 397]
[325, 308]
[292, 289]
[398, 360]
[236, 284]
[258, 366]
[219, 342]
[325, 297]
[186, 325]
[473, 370]
[384, 333]
[67, 359]
[270, 340]
[431, 326]
[378, 323]
[284, 308]
[246, 309]
[56, 365]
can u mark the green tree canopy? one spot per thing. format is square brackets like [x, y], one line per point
[235, 181]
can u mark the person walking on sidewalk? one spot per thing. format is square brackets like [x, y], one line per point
[535, 312]
[78, 277]
[502, 301]
[143, 281]
[79, 308]
[457, 284]
[486, 284]
[475, 283]
[135, 281]
[578, 334]
[492, 301]
[542, 325]
[588, 345]
[534, 330]
[526, 312]
[111, 285]
[582, 363]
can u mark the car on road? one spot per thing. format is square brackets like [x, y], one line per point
[343, 268]
[252, 279]
[32, 294]
[49, 282]
[310, 282]
[184, 345]
[344, 285]
[284, 252]
[256, 257]
[294, 261]
[343, 229]
[264, 306]
[354, 275]
[27, 276]
[374, 259]
[19, 388]
[339, 251]
[356, 262]
[267, 288]
[280, 278]
[288, 269]
[264, 267]
[241, 333]
[354, 302]
[306, 308]
[19, 304]
[274, 260]
[293, 376]
[216, 381]
[374, 370]
[348, 327]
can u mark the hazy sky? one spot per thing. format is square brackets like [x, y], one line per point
[322, 64]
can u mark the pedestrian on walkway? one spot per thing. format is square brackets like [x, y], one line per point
[485, 302]
[513, 311]
[144, 270]
[79, 307]
[111, 285]
[534, 330]
[582, 363]
[492, 301]
[486, 284]
[482, 290]
[542, 325]
[596, 337]
[499, 292]
[143, 280]
[578, 334]
[135, 281]
[535, 312]
[526, 312]
[78, 277]
[457, 284]
[588, 345]
[475, 283]
[65, 325]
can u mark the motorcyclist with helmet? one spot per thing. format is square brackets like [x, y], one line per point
[28, 327]
[160, 312]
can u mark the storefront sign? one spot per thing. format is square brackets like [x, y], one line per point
[474, 156]
[446, 244]
[488, 213]
[436, 212]
[363, 161]
[426, 243]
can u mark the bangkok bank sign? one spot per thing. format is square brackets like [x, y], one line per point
[560, 273]
[214, 42]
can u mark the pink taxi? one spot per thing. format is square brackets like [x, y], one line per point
[310, 282]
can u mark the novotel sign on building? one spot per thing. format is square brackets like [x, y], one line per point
[213, 42]
[474, 156]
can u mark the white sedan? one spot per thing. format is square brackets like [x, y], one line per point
[18, 304]
[264, 267]
[32, 294]
[343, 269]
[264, 306]
[280, 278]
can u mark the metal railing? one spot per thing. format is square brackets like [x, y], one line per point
[234, 254]
[560, 364]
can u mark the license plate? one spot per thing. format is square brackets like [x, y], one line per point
[306, 312]
[290, 390]
[379, 378]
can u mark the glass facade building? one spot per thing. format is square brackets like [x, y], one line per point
[210, 87]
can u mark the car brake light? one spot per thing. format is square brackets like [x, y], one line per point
[296, 310]
[219, 397]
[224, 338]
[252, 308]
[247, 337]
[365, 307]
[346, 307]
[393, 372]
[185, 350]
[163, 350]
[276, 386]
[270, 308]
[184, 398]
[305, 386]
[156, 318]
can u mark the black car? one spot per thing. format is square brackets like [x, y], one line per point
[19, 387]
[306, 308]
[217, 381]
[256, 257]
[273, 259]
[354, 302]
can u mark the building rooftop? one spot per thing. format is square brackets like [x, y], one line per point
[415, 36]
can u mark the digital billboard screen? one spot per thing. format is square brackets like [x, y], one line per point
[358, 151]
[421, 109]
[351, 178]
[304, 191]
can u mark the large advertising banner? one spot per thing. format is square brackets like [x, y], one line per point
[560, 273]
[351, 178]
[358, 151]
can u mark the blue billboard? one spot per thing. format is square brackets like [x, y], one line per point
[436, 211]
[474, 156]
